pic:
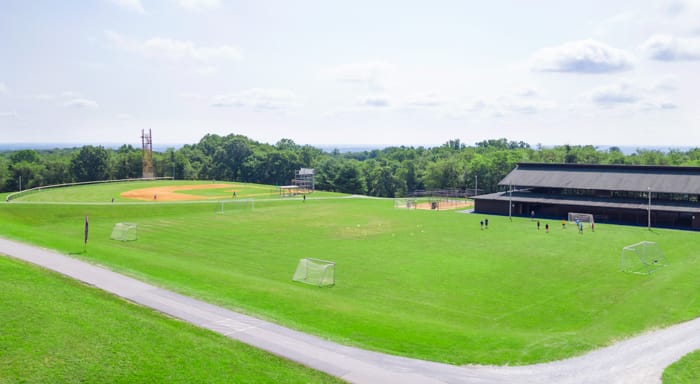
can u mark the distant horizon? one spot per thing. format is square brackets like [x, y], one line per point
[344, 148]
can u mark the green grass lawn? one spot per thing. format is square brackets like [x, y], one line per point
[424, 284]
[684, 371]
[56, 330]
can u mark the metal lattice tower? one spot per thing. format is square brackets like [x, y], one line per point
[147, 145]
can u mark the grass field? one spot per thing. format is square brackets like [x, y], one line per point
[103, 193]
[425, 284]
[684, 371]
[56, 330]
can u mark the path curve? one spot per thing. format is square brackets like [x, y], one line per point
[639, 360]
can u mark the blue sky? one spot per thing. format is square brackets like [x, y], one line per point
[351, 72]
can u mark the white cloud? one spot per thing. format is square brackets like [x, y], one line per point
[371, 74]
[628, 95]
[257, 98]
[669, 48]
[81, 103]
[502, 107]
[171, 49]
[131, 5]
[206, 70]
[527, 92]
[199, 5]
[585, 56]
[70, 94]
[374, 101]
[611, 95]
[41, 97]
[124, 116]
[674, 8]
[666, 83]
[426, 100]
[4, 90]
[9, 115]
[191, 95]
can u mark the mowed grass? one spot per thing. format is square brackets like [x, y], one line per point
[56, 330]
[684, 371]
[105, 192]
[424, 284]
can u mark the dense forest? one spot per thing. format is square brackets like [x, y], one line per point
[388, 172]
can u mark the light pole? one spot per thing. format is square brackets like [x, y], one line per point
[510, 201]
[476, 185]
[20, 183]
[649, 209]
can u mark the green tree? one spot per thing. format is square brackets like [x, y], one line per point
[24, 171]
[56, 172]
[26, 155]
[128, 162]
[24, 175]
[444, 173]
[349, 178]
[4, 172]
[90, 164]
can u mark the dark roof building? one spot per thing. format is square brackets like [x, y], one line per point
[612, 193]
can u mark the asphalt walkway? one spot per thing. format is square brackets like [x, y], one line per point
[639, 360]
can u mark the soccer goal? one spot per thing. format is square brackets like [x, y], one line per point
[124, 232]
[315, 272]
[581, 217]
[225, 206]
[642, 258]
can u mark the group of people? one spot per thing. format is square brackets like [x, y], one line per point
[546, 226]
[484, 223]
[579, 224]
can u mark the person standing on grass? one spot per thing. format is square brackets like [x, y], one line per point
[546, 228]
[305, 198]
[592, 227]
[538, 225]
[563, 224]
[486, 223]
[482, 224]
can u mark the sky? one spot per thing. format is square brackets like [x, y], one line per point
[344, 73]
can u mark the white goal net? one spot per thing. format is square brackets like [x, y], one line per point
[315, 272]
[124, 232]
[580, 218]
[643, 258]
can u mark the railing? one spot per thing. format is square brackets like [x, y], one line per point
[36, 189]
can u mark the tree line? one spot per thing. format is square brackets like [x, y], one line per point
[387, 172]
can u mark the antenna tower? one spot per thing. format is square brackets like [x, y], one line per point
[147, 145]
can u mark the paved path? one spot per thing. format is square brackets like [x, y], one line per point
[639, 360]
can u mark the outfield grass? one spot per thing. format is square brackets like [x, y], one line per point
[424, 284]
[56, 330]
[684, 371]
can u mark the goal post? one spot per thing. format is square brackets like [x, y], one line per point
[316, 272]
[581, 217]
[124, 232]
[224, 206]
[642, 258]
